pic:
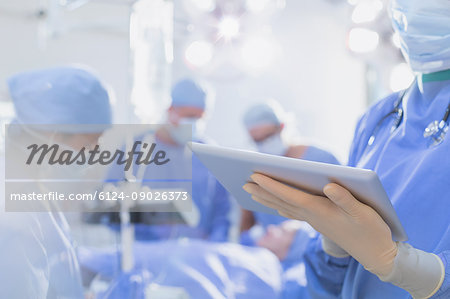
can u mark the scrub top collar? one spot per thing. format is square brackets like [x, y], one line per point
[437, 76]
[430, 85]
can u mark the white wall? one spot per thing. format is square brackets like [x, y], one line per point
[85, 39]
[316, 80]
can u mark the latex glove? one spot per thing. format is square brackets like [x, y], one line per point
[332, 248]
[418, 272]
[354, 228]
[352, 225]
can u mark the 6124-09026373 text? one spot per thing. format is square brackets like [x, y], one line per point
[102, 196]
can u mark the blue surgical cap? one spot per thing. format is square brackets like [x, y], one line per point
[261, 114]
[187, 93]
[61, 95]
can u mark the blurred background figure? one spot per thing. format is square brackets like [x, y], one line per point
[37, 257]
[288, 241]
[188, 107]
[209, 218]
[264, 124]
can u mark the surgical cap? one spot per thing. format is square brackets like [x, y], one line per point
[187, 93]
[261, 114]
[62, 95]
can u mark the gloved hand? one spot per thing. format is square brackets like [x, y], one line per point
[349, 226]
[352, 225]
[332, 248]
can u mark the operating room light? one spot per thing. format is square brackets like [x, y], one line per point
[228, 27]
[199, 53]
[366, 11]
[361, 40]
[401, 77]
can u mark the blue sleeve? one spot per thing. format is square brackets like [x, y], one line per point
[325, 274]
[220, 214]
[444, 291]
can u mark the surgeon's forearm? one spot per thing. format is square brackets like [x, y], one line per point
[416, 271]
[325, 273]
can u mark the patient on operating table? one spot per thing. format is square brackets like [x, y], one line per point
[271, 269]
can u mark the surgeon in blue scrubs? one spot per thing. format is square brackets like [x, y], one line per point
[264, 124]
[211, 201]
[405, 139]
[37, 259]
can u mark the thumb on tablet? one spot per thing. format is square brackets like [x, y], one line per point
[342, 198]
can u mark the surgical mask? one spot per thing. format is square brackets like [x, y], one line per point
[272, 145]
[182, 134]
[424, 31]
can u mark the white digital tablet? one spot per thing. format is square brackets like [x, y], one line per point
[233, 169]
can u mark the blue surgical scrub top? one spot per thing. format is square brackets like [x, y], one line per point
[416, 178]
